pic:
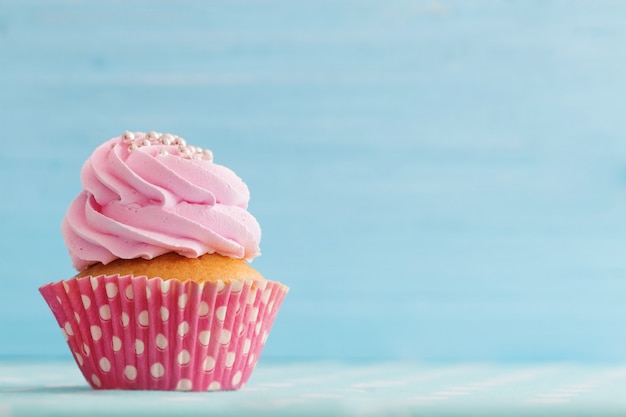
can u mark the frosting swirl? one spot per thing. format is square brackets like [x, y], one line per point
[149, 194]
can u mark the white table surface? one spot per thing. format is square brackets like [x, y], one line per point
[44, 388]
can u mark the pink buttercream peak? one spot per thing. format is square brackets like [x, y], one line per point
[147, 194]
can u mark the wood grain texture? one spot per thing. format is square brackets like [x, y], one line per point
[435, 179]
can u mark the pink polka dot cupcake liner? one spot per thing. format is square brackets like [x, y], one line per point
[136, 333]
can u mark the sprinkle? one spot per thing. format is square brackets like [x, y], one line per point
[185, 152]
[166, 139]
[128, 137]
[152, 138]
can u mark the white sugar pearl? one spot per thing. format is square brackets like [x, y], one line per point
[136, 141]
[166, 139]
[128, 137]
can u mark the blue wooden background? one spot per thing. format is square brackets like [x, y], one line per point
[436, 180]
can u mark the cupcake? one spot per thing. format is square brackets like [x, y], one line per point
[164, 297]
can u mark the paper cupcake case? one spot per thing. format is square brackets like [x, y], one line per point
[130, 332]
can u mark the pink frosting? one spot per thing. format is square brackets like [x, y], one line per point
[152, 200]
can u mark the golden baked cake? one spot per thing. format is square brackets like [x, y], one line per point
[205, 268]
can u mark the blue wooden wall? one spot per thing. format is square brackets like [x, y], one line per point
[436, 180]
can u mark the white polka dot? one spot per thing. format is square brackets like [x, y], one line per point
[96, 381]
[157, 370]
[251, 296]
[165, 286]
[264, 337]
[230, 359]
[165, 314]
[66, 287]
[261, 285]
[105, 365]
[209, 364]
[182, 300]
[220, 313]
[111, 289]
[143, 318]
[270, 307]
[214, 386]
[240, 329]
[68, 329]
[266, 296]
[148, 292]
[105, 312]
[59, 300]
[86, 301]
[117, 343]
[94, 283]
[246, 346]
[204, 337]
[65, 336]
[251, 359]
[96, 333]
[77, 317]
[125, 319]
[161, 341]
[86, 349]
[225, 336]
[139, 347]
[129, 292]
[204, 308]
[184, 357]
[237, 378]
[130, 372]
[184, 385]
[183, 329]
[236, 285]
[220, 285]
[254, 313]
[257, 328]
[79, 359]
